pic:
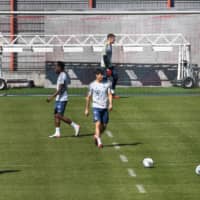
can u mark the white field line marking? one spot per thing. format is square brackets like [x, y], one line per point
[123, 158]
[140, 188]
[109, 134]
[131, 173]
[116, 145]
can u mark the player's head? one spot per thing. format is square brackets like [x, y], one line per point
[99, 74]
[60, 66]
[111, 38]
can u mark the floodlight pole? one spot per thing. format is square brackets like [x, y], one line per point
[92, 4]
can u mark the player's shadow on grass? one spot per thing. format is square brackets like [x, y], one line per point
[123, 144]
[8, 171]
[86, 135]
[80, 136]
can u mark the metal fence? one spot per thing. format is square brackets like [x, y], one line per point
[52, 5]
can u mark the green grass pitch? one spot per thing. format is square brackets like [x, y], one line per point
[166, 128]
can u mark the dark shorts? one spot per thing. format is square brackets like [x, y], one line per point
[60, 107]
[101, 115]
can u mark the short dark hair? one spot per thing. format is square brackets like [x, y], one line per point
[61, 65]
[111, 35]
[99, 71]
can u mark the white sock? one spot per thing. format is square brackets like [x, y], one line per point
[57, 130]
[74, 125]
[99, 140]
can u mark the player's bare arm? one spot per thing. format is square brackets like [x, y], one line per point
[50, 98]
[88, 100]
[110, 99]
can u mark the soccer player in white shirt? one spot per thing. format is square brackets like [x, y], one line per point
[101, 96]
[61, 99]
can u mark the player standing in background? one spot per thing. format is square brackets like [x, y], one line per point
[100, 93]
[61, 97]
[106, 61]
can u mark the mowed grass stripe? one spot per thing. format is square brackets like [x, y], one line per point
[57, 169]
[156, 126]
[65, 168]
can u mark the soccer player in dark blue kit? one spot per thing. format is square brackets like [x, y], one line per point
[106, 62]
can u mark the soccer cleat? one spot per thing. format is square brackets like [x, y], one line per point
[99, 143]
[116, 97]
[100, 146]
[77, 130]
[55, 136]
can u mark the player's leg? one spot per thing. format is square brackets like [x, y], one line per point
[56, 121]
[105, 120]
[98, 125]
[97, 115]
[105, 77]
[103, 128]
[97, 129]
[114, 80]
[59, 116]
[68, 120]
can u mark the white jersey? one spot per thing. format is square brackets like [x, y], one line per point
[62, 80]
[99, 93]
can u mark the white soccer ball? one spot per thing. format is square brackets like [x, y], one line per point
[148, 162]
[197, 170]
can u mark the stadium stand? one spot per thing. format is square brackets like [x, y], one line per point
[81, 74]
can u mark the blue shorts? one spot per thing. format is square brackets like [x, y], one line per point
[101, 115]
[60, 107]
